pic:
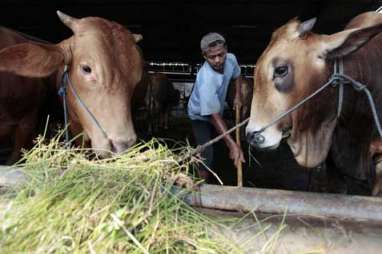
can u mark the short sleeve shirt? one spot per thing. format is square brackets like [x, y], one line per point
[210, 89]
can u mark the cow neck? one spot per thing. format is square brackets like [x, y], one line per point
[338, 68]
[341, 79]
[62, 91]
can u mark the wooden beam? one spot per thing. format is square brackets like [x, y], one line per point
[320, 205]
[11, 176]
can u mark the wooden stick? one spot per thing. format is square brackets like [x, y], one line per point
[239, 165]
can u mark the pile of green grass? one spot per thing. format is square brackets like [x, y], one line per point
[121, 205]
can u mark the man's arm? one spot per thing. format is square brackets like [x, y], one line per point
[236, 154]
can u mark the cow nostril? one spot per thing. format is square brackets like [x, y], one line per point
[131, 142]
[121, 146]
[255, 138]
[258, 138]
[118, 147]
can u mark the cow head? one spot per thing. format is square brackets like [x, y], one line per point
[104, 67]
[296, 63]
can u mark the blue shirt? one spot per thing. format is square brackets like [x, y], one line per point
[210, 89]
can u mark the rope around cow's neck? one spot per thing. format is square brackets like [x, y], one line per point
[63, 92]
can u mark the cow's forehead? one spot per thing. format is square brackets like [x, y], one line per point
[106, 36]
[286, 44]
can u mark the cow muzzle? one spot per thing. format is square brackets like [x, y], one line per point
[119, 146]
[264, 139]
[106, 148]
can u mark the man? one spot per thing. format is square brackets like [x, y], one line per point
[206, 104]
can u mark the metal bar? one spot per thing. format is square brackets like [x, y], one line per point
[335, 206]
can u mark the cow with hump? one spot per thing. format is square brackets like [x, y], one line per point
[295, 64]
[104, 66]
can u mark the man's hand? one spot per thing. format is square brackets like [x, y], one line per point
[236, 154]
[237, 102]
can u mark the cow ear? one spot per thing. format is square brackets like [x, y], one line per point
[306, 26]
[31, 59]
[346, 42]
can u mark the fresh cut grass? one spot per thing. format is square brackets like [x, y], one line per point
[71, 204]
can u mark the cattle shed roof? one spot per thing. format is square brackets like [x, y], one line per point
[172, 29]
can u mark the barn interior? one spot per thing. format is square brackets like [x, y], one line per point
[171, 33]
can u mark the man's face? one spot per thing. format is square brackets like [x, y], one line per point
[215, 56]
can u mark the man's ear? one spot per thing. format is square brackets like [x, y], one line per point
[346, 42]
[31, 59]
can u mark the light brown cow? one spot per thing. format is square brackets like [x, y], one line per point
[104, 67]
[296, 63]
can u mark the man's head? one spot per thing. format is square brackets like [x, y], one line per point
[214, 50]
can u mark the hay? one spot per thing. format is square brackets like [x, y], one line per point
[75, 205]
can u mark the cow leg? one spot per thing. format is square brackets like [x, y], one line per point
[336, 182]
[318, 179]
[166, 116]
[164, 119]
[157, 123]
[375, 151]
[377, 187]
[23, 136]
[156, 117]
[149, 124]
[161, 120]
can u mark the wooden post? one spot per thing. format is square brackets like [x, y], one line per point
[239, 165]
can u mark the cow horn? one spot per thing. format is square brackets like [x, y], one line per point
[67, 20]
[137, 37]
[306, 26]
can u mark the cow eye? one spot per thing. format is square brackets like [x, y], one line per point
[281, 71]
[86, 69]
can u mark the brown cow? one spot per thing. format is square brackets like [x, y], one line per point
[246, 96]
[104, 67]
[18, 120]
[156, 93]
[296, 63]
